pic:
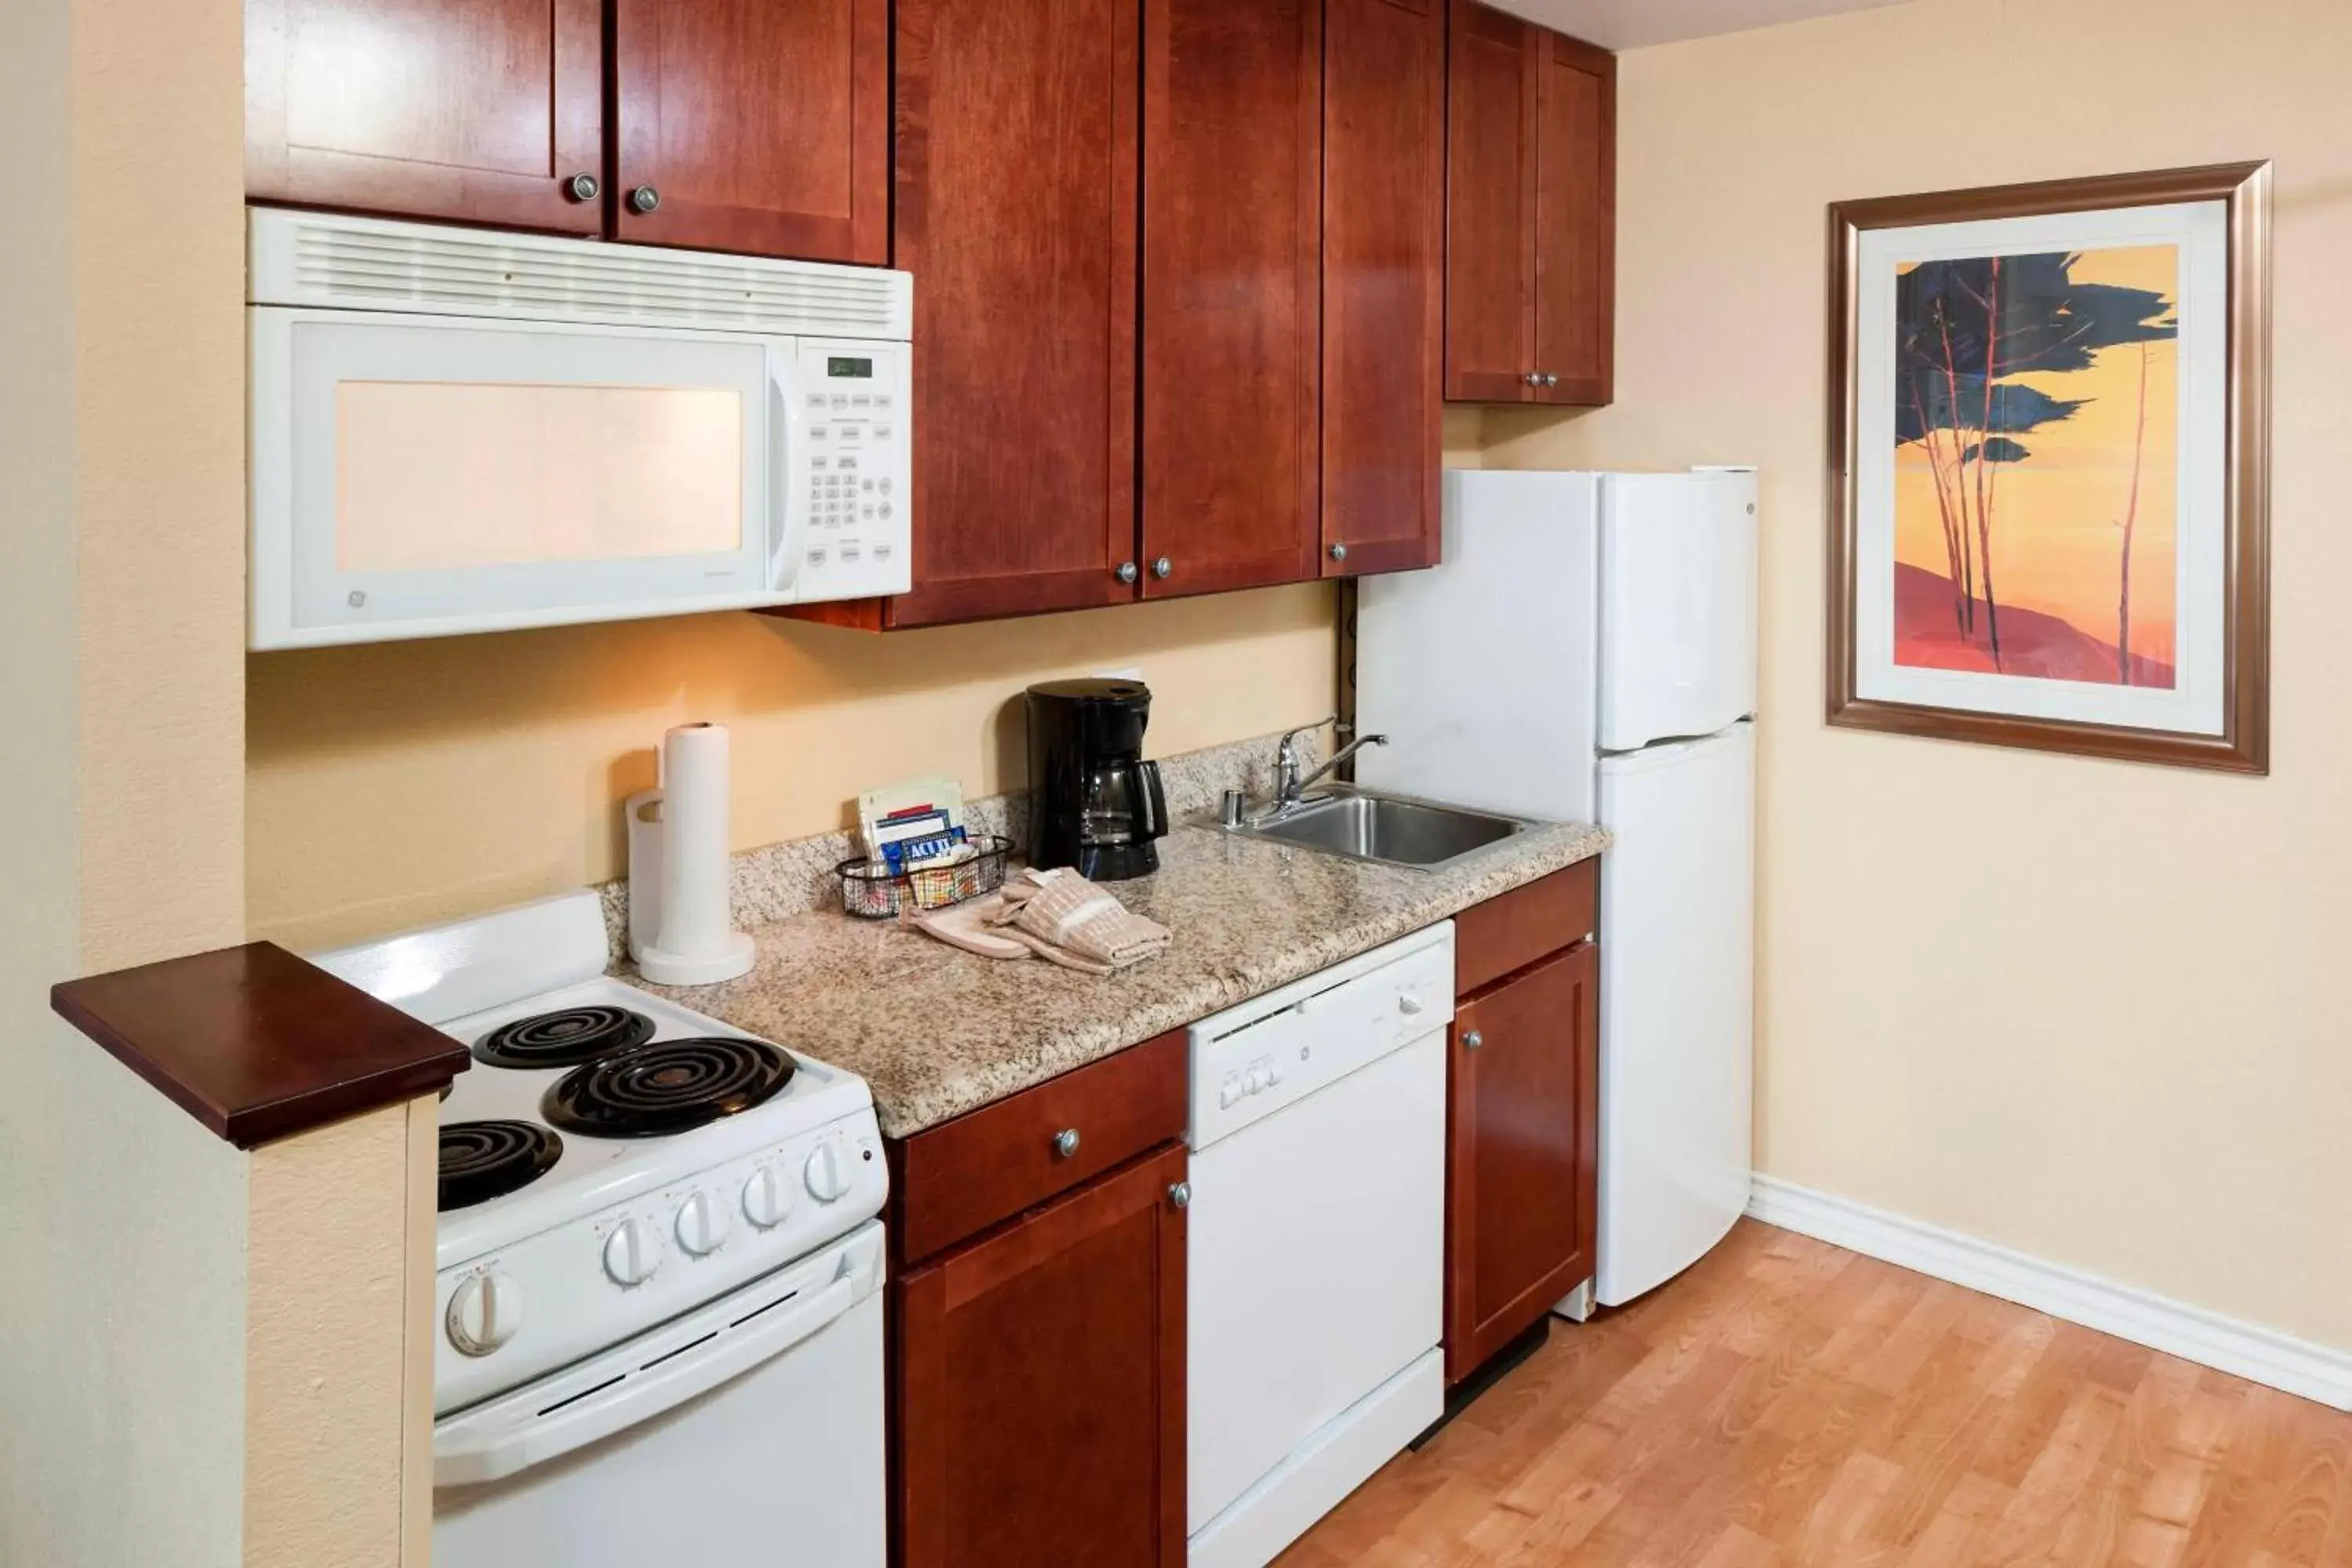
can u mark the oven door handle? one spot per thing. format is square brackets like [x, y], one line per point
[495, 1448]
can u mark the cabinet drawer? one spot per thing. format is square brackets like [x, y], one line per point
[956, 1179]
[1508, 933]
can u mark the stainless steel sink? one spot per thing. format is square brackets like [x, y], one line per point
[1390, 829]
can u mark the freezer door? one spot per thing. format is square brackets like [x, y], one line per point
[1677, 955]
[1677, 605]
[1481, 671]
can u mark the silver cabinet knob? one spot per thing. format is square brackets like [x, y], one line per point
[1066, 1142]
[1533, 378]
[581, 187]
[1472, 1039]
[1162, 567]
[644, 199]
[1339, 553]
[1549, 379]
[1179, 1194]
[1126, 572]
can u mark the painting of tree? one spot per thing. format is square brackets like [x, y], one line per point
[2037, 367]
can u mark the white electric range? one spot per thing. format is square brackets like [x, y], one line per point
[657, 1266]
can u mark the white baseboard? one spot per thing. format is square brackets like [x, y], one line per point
[2245, 1349]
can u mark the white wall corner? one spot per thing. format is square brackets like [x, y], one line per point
[2245, 1349]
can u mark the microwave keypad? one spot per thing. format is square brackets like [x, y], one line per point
[854, 434]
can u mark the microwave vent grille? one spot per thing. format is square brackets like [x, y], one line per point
[350, 264]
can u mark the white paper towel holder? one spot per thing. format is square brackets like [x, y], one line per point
[729, 956]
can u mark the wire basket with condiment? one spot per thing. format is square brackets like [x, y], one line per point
[871, 890]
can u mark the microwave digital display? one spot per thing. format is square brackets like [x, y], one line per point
[862, 368]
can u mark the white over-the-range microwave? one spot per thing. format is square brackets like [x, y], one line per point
[460, 430]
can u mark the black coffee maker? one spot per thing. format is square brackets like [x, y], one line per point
[1096, 804]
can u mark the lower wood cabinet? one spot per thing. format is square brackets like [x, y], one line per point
[1040, 1384]
[1037, 1325]
[1523, 1138]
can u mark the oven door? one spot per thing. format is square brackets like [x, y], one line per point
[746, 1432]
[418, 475]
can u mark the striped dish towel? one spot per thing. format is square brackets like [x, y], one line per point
[1064, 917]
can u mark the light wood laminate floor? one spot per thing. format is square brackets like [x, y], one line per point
[1787, 1401]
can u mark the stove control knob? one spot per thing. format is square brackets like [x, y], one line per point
[828, 1182]
[701, 1226]
[767, 1197]
[483, 1313]
[632, 1252]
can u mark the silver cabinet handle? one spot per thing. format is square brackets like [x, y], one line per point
[1066, 1142]
[1472, 1039]
[1533, 378]
[1162, 566]
[1339, 553]
[644, 199]
[1179, 1194]
[1549, 379]
[581, 187]
[1126, 572]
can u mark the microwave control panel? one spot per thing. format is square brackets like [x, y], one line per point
[859, 542]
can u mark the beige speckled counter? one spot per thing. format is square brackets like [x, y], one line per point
[938, 1032]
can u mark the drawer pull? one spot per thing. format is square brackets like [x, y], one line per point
[1472, 1039]
[1179, 1194]
[1066, 1142]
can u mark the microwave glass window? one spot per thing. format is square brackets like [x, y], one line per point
[431, 476]
[838, 365]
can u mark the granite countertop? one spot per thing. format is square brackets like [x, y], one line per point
[939, 1032]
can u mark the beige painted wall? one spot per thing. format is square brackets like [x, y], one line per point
[409, 782]
[122, 1304]
[2093, 1011]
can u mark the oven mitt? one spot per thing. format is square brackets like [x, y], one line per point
[1062, 911]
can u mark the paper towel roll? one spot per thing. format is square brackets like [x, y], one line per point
[691, 923]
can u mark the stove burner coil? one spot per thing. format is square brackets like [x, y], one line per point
[563, 1039]
[666, 1087]
[484, 1159]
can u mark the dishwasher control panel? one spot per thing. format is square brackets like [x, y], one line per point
[1281, 1048]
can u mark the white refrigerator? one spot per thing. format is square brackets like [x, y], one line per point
[1587, 652]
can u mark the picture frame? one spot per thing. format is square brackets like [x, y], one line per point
[2051, 401]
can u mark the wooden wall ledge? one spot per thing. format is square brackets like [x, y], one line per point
[259, 1044]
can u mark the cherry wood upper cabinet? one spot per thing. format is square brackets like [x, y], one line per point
[1530, 193]
[1521, 1187]
[1039, 1383]
[1016, 182]
[1232, 151]
[1576, 221]
[1383, 281]
[759, 126]
[478, 110]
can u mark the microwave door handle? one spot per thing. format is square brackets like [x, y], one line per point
[788, 456]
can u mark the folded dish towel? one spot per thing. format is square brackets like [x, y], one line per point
[1070, 921]
[968, 926]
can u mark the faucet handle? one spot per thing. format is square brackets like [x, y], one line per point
[1289, 746]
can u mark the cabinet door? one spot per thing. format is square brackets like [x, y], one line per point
[477, 110]
[761, 126]
[1521, 1184]
[1040, 1385]
[1016, 187]
[1383, 282]
[1232, 228]
[1490, 182]
[1576, 221]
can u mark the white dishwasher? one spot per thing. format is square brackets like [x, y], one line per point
[1318, 1238]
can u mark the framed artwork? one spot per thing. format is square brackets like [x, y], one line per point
[2048, 444]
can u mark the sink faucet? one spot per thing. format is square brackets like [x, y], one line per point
[1290, 783]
